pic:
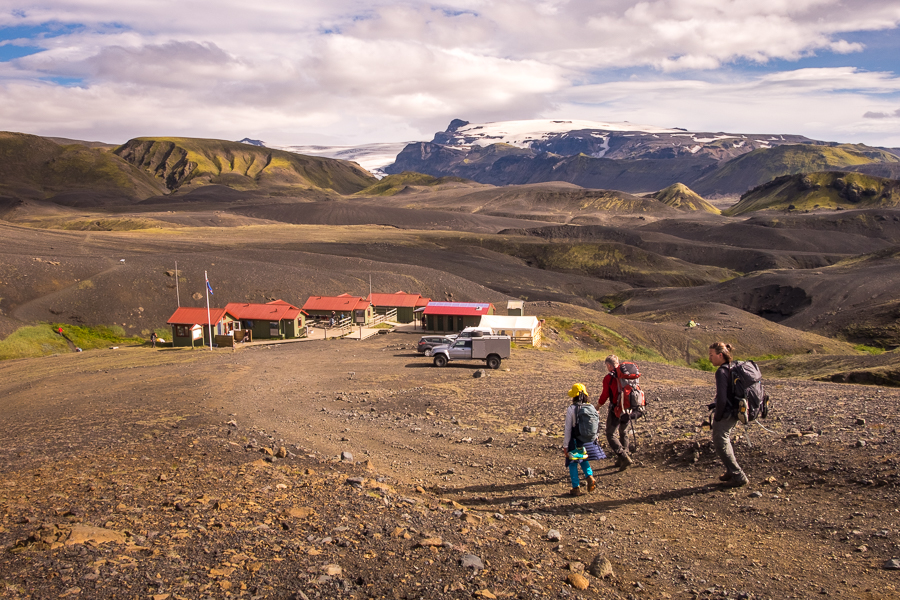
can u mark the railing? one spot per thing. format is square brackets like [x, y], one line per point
[390, 315]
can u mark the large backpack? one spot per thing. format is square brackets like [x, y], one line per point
[587, 422]
[630, 400]
[749, 398]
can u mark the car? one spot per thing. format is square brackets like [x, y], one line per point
[427, 342]
[490, 348]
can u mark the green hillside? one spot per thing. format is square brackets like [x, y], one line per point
[36, 167]
[823, 190]
[682, 197]
[761, 166]
[178, 162]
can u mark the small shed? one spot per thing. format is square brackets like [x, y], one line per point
[524, 331]
[455, 316]
[185, 318]
[406, 304]
[277, 319]
[515, 308]
[321, 308]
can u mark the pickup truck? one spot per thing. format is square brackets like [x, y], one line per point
[489, 348]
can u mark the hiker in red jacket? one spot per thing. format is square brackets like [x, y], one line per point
[610, 392]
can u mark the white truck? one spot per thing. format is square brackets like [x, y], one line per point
[489, 348]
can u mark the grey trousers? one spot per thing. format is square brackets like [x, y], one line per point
[620, 445]
[721, 436]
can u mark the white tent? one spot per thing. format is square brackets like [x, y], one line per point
[522, 330]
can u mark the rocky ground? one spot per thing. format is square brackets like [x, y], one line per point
[356, 469]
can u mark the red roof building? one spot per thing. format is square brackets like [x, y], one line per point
[277, 319]
[323, 307]
[455, 316]
[185, 319]
[406, 304]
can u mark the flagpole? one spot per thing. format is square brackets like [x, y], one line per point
[208, 317]
[177, 295]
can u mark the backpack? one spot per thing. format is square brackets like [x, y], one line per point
[587, 422]
[631, 398]
[749, 398]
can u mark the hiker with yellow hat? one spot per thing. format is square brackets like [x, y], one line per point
[582, 423]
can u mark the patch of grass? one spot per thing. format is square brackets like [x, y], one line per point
[43, 340]
[28, 342]
[703, 364]
[869, 349]
[383, 326]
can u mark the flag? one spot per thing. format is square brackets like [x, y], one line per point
[209, 287]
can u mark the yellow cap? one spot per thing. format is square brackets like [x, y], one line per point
[578, 387]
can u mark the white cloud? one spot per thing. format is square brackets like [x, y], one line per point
[404, 68]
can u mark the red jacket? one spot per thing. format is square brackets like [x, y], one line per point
[610, 390]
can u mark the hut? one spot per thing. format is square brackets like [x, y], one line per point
[454, 316]
[277, 319]
[405, 304]
[515, 308]
[321, 308]
[186, 319]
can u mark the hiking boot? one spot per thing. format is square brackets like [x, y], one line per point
[592, 484]
[576, 491]
[726, 476]
[738, 480]
[624, 461]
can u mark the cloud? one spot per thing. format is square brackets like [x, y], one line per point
[881, 115]
[403, 68]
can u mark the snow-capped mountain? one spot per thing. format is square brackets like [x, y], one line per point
[599, 139]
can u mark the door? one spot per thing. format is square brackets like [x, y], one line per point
[461, 349]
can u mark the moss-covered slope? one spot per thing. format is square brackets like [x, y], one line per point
[823, 190]
[682, 197]
[35, 167]
[178, 162]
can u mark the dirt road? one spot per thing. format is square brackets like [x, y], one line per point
[445, 495]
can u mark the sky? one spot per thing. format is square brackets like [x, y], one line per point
[297, 72]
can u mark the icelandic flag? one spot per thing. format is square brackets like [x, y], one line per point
[209, 287]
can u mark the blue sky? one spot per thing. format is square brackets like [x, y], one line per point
[307, 72]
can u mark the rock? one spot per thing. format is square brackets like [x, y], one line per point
[332, 570]
[433, 541]
[755, 495]
[232, 423]
[281, 452]
[892, 565]
[301, 512]
[860, 443]
[554, 536]
[529, 429]
[346, 456]
[576, 567]
[485, 594]
[267, 451]
[577, 581]
[356, 482]
[860, 421]
[81, 534]
[470, 561]
[601, 568]
[479, 373]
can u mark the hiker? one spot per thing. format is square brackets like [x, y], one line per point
[725, 417]
[576, 454]
[153, 340]
[246, 337]
[610, 392]
[59, 331]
